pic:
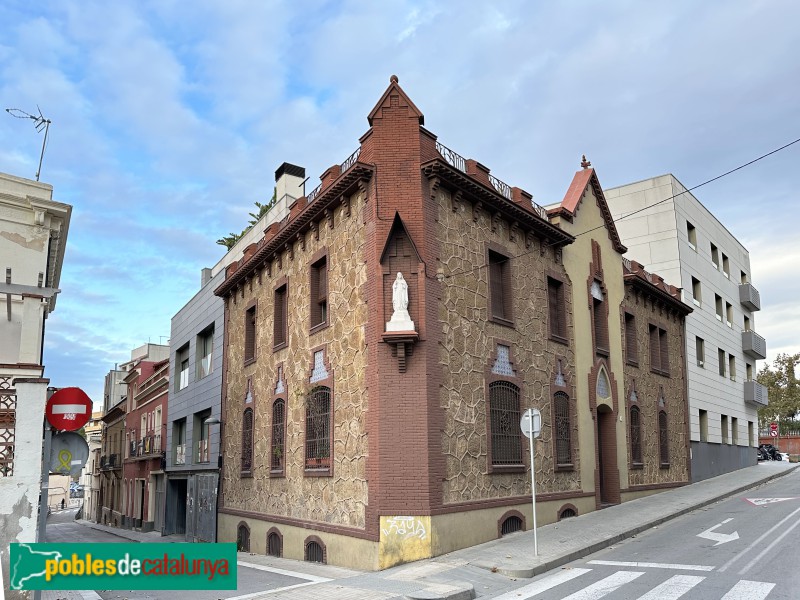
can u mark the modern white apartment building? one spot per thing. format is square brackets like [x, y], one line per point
[671, 233]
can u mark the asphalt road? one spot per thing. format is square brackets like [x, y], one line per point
[62, 528]
[744, 548]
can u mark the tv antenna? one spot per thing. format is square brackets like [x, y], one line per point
[40, 123]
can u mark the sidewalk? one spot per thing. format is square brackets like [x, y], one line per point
[457, 575]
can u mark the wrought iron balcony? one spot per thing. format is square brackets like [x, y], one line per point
[754, 345]
[749, 296]
[755, 393]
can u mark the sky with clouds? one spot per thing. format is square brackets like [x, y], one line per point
[170, 118]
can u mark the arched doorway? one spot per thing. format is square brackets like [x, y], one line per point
[607, 470]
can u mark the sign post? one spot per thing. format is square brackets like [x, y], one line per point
[531, 425]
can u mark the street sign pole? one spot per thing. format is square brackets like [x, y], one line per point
[533, 488]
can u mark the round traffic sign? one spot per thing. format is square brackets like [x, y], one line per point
[68, 453]
[773, 433]
[531, 423]
[773, 426]
[69, 409]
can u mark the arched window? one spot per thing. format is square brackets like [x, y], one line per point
[243, 538]
[563, 427]
[504, 416]
[247, 440]
[510, 525]
[278, 428]
[663, 439]
[318, 428]
[274, 544]
[567, 511]
[636, 436]
[315, 551]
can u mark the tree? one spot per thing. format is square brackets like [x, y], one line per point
[784, 391]
[229, 241]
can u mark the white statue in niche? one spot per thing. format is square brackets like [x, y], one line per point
[401, 320]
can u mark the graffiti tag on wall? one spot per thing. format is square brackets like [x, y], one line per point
[405, 527]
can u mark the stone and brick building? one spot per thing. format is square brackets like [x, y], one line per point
[352, 440]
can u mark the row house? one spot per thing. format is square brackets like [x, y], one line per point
[383, 339]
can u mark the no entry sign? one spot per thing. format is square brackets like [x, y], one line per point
[69, 409]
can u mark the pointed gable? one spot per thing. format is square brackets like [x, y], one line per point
[395, 97]
[582, 180]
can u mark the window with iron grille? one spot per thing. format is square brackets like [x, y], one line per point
[274, 545]
[511, 525]
[247, 440]
[563, 426]
[243, 538]
[631, 343]
[250, 334]
[505, 417]
[8, 421]
[315, 552]
[318, 423]
[663, 439]
[636, 436]
[280, 325]
[557, 309]
[566, 513]
[278, 428]
[659, 351]
[319, 293]
[500, 287]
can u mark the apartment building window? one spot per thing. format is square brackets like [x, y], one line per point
[734, 431]
[663, 439]
[746, 323]
[318, 429]
[182, 362]
[201, 429]
[751, 434]
[500, 288]
[732, 367]
[563, 432]
[277, 449]
[319, 293]
[715, 256]
[724, 428]
[729, 315]
[703, 414]
[280, 323]
[247, 441]
[557, 309]
[749, 371]
[726, 266]
[700, 351]
[721, 360]
[691, 233]
[659, 350]
[250, 334]
[697, 294]
[205, 348]
[179, 441]
[599, 318]
[742, 277]
[631, 343]
[636, 436]
[504, 414]
[718, 305]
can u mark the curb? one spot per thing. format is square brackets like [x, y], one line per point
[461, 591]
[519, 570]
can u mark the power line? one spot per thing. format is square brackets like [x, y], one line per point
[699, 185]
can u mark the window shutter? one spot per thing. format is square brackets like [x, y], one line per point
[279, 325]
[496, 285]
[663, 439]
[250, 333]
[664, 346]
[631, 346]
[553, 305]
[315, 289]
[636, 433]
[655, 349]
[563, 429]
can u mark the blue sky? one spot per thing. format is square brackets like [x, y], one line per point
[170, 118]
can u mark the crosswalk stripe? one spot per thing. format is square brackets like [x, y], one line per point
[673, 588]
[542, 585]
[749, 590]
[649, 565]
[605, 586]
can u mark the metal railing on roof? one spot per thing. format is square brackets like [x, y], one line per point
[348, 162]
[501, 186]
[452, 158]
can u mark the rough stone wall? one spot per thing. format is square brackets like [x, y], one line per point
[469, 343]
[339, 499]
[648, 387]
